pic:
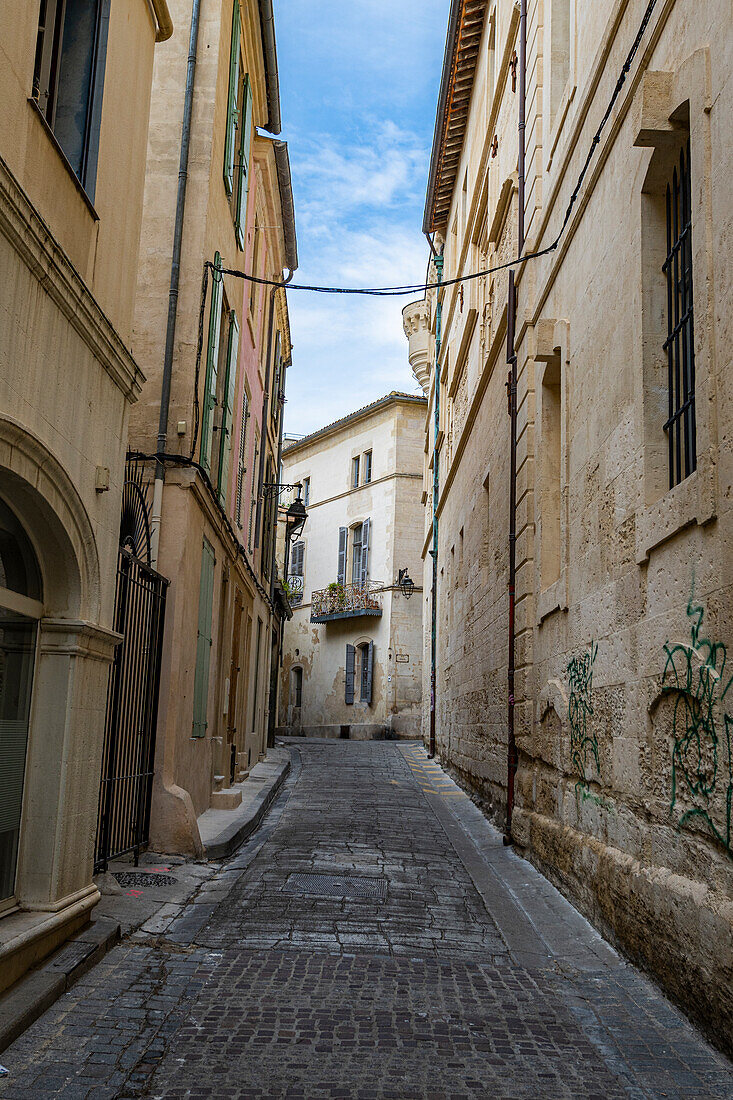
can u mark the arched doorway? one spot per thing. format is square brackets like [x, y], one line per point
[21, 608]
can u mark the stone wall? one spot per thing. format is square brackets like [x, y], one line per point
[623, 708]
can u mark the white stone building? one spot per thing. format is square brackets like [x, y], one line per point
[352, 653]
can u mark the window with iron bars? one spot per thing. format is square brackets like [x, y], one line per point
[680, 343]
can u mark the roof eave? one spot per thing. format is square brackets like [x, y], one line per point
[451, 41]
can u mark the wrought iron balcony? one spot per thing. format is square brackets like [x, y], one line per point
[346, 601]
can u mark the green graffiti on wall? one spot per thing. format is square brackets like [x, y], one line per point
[701, 753]
[583, 743]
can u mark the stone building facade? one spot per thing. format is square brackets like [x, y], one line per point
[75, 87]
[352, 651]
[623, 697]
[214, 519]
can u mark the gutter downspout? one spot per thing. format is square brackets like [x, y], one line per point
[512, 755]
[267, 24]
[164, 28]
[438, 260]
[170, 335]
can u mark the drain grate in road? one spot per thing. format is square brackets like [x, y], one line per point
[141, 878]
[337, 886]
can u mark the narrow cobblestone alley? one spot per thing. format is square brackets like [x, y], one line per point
[432, 963]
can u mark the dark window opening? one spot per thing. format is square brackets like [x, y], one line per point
[297, 687]
[68, 78]
[367, 467]
[680, 343]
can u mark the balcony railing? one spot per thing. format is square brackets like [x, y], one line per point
[346, 601]
[295, 590]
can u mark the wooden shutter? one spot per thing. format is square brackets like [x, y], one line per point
[240, 214]
[212, 364]
[227, 420]
[230, 144]
[365, 527]
[368, 655]
[350, 670]
[343, 547]
[203, 642]
[241, 469]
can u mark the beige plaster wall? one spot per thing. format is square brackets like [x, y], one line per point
[392, 502]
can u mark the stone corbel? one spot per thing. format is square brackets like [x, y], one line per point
[74, 637]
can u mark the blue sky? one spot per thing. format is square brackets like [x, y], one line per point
[359, 84]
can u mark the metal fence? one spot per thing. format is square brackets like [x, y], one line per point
[132, 710]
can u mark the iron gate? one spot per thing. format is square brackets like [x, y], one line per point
[123, 822]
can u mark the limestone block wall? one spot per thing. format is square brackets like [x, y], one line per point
[623, 703]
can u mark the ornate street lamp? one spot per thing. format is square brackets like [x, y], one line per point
[295, 516]
[406, 583]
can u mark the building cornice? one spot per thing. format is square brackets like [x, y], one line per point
[353, 418]
[31, 238]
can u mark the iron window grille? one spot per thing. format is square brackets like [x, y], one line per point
[680, 344]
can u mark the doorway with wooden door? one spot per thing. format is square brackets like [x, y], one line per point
[234, 672]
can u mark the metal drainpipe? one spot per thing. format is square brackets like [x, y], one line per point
[170, 335]
[512, 755]
[436, 489]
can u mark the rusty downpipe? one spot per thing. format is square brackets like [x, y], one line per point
[512, 755]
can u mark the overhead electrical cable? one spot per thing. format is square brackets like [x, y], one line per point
[418, 288]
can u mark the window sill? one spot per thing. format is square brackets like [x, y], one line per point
[691, 502]
[54, 141]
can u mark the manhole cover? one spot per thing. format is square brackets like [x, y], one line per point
[337, 886]
[141, 878]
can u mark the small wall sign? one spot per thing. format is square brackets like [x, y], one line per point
[403, 658]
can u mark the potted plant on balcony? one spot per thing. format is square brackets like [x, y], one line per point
[337, 594]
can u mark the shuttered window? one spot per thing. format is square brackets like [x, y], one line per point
[350, 672]
[212, 364]
[242, 172]
[365, 536]
[230, 144]
[356, 555]
[343, 549]
[296, 559]
[203, 641]
[252, 494]
[227, 420]
[241, 464]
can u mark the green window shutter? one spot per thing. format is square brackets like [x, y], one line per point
[241, 470]
[230, 144]
[240, 217]
[227, 422]
[212, 364]
[203, 642]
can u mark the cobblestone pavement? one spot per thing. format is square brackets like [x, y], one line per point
[471, 977]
